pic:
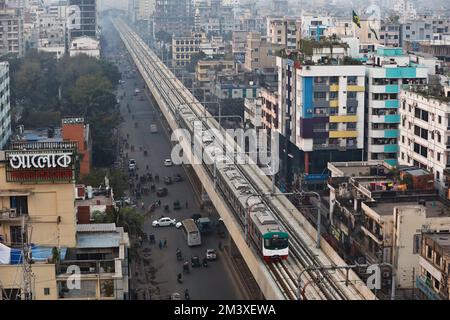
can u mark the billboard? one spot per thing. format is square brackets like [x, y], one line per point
[40, 166]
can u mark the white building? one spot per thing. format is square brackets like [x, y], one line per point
[85, 45]
[12, 39]
[389, 71]
[5, 111]
[424, 133]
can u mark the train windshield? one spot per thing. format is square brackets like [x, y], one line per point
[276, 243]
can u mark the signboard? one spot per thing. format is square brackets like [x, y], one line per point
[40, 166]
[73, 121]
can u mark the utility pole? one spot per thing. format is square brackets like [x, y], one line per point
[27, 293]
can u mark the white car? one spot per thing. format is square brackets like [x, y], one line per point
[164, 222]
[178, 225]
[167, 163]
[211, 254]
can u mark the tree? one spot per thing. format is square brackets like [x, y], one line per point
[128, 218]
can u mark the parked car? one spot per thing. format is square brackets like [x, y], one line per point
[178, 178]
[178, 225]
[161, 192]
[164, 222]
[167, 180]
[195, 262]
[168, 163]
[211, 254]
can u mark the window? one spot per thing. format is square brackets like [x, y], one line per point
[351, 95]
[46, 291]
[20, 204]
[438, 156]
[439, 119]
[320, 95]
[16, 235]
[352, 80]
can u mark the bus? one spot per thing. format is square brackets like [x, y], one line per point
[191, 232]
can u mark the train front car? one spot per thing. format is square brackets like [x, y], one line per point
[275, 246]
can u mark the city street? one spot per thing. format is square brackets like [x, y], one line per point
[215, 281]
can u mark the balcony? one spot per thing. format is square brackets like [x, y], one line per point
[88, 267]
[11, 215]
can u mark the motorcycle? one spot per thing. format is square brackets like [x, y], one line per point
[205, 263]
[179, 278]
[179, 256]
[186, 295]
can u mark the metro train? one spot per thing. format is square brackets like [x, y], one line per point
[262, 230]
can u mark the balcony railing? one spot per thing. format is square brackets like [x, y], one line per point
[87, 266]
[11, 215]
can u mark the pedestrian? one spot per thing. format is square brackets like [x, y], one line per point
[160, 244]
[165, 243]
[186, 204]
[142, 205]
[220, 245]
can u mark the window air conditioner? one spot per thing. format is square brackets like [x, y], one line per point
[13, 213]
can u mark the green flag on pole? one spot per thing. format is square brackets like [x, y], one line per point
[356, 19]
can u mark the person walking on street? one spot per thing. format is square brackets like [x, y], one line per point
[160, 244]
[165, 243]
[186, 204]
[142, 205]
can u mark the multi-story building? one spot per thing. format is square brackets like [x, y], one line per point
[315, 26]
[389, 70]
[5, 109]
[390, 34]
[405, 10]
[174, 16]
[321, 110]
[259, 53]
[183, 47]
[76, 130]
[207, 70]
[433, 279]
[284, 31]
[424, 132]
[89, 19]
[12, 39]
[145, 9]
[85, 45]
[416, 30]
[37, 200]
[378, 213]
[437, 48]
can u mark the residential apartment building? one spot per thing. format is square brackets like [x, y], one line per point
[284, 31]
[390, 34]
[206, 71]
[174, 16]
[183, 47]
[315, 26]
[386, 72]
[259, 53]
[433, 279]
[321, 111]
[416, 30]
[377, 215]
[424, 132]
[41, 198]
[5, 108]
[145, 9]
[85, 45]
[12, 39]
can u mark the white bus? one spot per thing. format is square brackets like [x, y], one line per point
[191, 232]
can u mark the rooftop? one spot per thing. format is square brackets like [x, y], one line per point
[434, 206]
[442, 239]
[436, 92]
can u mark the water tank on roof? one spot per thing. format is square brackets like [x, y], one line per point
[90, 192]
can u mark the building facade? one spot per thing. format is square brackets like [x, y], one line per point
[5, 108]
[284, 31]
[390, 70]
[12, 39]
[425, 134]
[89, 19]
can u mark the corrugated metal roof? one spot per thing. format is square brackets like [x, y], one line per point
[96, 227]
[98, 240]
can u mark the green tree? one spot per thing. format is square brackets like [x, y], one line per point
[128, 218]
